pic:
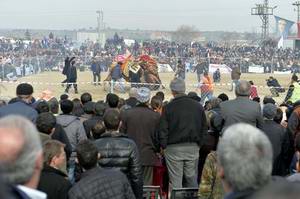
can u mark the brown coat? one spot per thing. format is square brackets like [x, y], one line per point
[140, 124]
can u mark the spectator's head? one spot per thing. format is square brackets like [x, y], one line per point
[42, 107]
[53, 105]
[100, 108]
[268, 100]
[77, 108]
[156, 103]
[45, 123]
[20, 151]
[24, 92]
[294, 78]
[64, 97]
[112, 100]
[112, 119]
[223, 97]
[194, 96]
[133, 92]
[85, 97]
[243, 88]
[143, 95]
[66, 106]
[279, 115]
[121, 103]
[87, 154]
[269, 111]
[54, 154]
[215, 103]
[240, 145]
[256, 99]
[177, 86]
[251, 83]
[98, 129]
[3, 103]
[161, 95]
[89, 107]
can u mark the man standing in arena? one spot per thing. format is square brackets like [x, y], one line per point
[72, 77]
[96, 69]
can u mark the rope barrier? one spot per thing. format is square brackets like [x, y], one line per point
[198, 85]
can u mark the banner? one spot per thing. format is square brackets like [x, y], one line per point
[283, 26]
[224, 69]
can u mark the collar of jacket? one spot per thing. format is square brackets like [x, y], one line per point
[142, 105]
[113, 134]
[50, 169]
[242, 97]
[179, 96]
[89, 172]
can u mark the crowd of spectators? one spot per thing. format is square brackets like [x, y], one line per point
[22, 57]
[115, 148]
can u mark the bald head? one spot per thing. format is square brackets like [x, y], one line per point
[11, 142]
[243, 88]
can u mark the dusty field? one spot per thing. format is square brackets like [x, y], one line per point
[51, 80]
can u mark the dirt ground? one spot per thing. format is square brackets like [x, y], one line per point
[51, 80]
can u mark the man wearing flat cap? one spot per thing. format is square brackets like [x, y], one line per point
[181, 132]
[22, 105]
[140, 124]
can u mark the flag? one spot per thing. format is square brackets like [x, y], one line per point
[283, 26]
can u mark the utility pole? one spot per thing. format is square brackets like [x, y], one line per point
[297, 4]
[263, 11]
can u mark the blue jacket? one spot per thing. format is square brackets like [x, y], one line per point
[19, 108]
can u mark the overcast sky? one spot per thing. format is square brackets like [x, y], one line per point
[206, 15]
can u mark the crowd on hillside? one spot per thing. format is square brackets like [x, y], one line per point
[114, 148]
[31, 56]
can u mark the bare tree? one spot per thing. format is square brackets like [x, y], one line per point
[185, 33]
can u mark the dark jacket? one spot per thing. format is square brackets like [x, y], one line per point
[132, 102]
[119, 152]
[183, 120]
[90, 123]
[19, 108]
[235, 73]
[72, 74]
[95, 67]
[141, 124]
[280, 144]
[54, 183]
[60, 135]
[241, 109]
[247, 194]
[116, 72]
[101, 183]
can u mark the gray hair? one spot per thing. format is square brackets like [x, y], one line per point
[245, 153]
[22, 168]
[242, 88]
[133, 92]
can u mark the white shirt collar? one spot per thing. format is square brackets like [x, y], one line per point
[32, 193]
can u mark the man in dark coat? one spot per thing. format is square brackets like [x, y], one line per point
[53, 181]
[235, 76]
[140, 124]
[120, 152]
[95, 182]
[72, 77]
[278, 137]
[200, 68]
[132, 101]
[181, 132]
[96, 69]
[99, 109]
[22, 106]
[241, 109]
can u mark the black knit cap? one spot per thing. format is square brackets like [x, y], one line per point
[24, 89]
